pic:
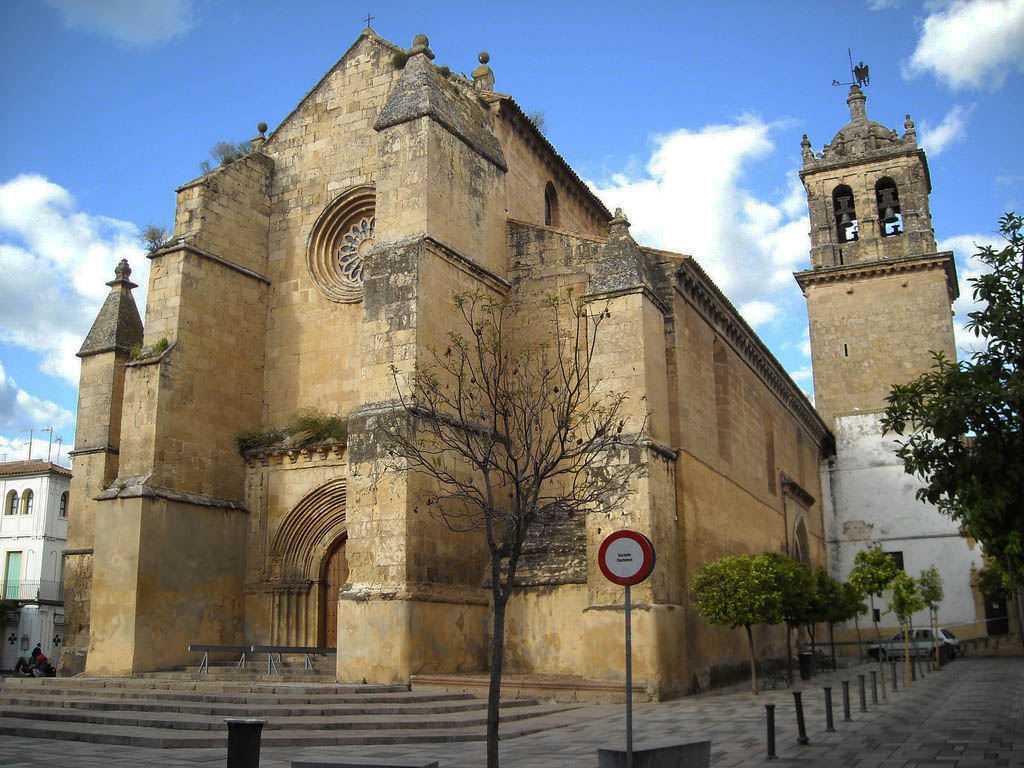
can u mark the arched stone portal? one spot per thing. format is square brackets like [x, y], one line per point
[308, 551]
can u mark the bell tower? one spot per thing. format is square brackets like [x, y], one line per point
[878, 294]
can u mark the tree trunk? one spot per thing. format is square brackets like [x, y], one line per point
[789, 656]
[906, 653]
[1018, 598]
[878, 639]
[832, 641]
[860, 640]
[935, 640]
[494, 689]
[753, 661]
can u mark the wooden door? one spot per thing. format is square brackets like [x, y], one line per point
[335, 576]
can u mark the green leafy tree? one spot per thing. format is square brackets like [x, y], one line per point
[994, 582]
[739, 591]
[929, 585]
[510, 432]
[829, 607]
[872, 573]
[906, 601]
[796, 594]
[964, 421]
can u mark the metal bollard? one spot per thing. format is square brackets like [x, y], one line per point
[801, 728]
[863, 698]
[829, 725]
[874, 686]
[770, 712]
[913, 672]
[846, 701]
[894, 686]
[243, 742]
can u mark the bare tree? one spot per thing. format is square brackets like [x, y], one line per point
[154, 237]
[512, 432]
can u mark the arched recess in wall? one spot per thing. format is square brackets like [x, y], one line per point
[551, 217]
[308, 532]
[340, 239]
[801, 546]
[308, 550]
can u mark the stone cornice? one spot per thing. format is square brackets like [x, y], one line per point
[871, 269]
[279, 455]
[94, 449]
[137, 486]
[697, 289]
[797, 491]
[648, 293]
[181, 245]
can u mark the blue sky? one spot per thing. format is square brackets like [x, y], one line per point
[688, 115]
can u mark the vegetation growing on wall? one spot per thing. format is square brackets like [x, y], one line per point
[305, 428]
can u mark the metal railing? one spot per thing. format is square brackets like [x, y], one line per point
[48, 591]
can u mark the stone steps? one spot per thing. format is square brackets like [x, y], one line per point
[177, 713]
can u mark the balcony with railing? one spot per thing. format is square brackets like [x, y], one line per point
[33, 591]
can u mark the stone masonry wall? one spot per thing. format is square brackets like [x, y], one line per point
[855, 354]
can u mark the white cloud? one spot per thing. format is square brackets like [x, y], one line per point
[964, 247]
[758, 313]
[971, 43]
[951, 129]
[20, 410]
[690, 199]
[56, 261]
[137, 22]
[881, 5]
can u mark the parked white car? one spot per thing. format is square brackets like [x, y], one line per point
[921, 644]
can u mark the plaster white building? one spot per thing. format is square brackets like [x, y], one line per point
[875, 505]
[33, 535]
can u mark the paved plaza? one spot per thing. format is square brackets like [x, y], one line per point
[968, 715]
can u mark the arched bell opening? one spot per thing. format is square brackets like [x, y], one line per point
[333, 575]
[847, 226]
[889, 215]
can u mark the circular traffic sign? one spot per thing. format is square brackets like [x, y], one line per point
[626, 558]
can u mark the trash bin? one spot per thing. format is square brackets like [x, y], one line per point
[806, 665]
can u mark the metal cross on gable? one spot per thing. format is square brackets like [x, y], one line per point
[369, 18]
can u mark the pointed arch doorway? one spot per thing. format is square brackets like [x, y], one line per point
[335, 574]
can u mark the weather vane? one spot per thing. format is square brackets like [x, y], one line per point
[861, 76]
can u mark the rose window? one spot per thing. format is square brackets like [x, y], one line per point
[339, 243]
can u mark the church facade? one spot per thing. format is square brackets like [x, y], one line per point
[297, 278]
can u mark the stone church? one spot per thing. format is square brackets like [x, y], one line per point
[299, 274]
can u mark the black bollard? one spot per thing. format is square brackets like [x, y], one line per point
[846, 701]
[913, 672]
[863, 697]
[770, 711]
[874, 686]
[894, 686]
[829, 725]
[243, 742]
[801, 729]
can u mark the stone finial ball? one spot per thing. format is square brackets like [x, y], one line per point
[420, 40]
[484, 57]
[618, 213]
[262, 127]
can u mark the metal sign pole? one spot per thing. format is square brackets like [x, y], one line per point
[629, 686]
